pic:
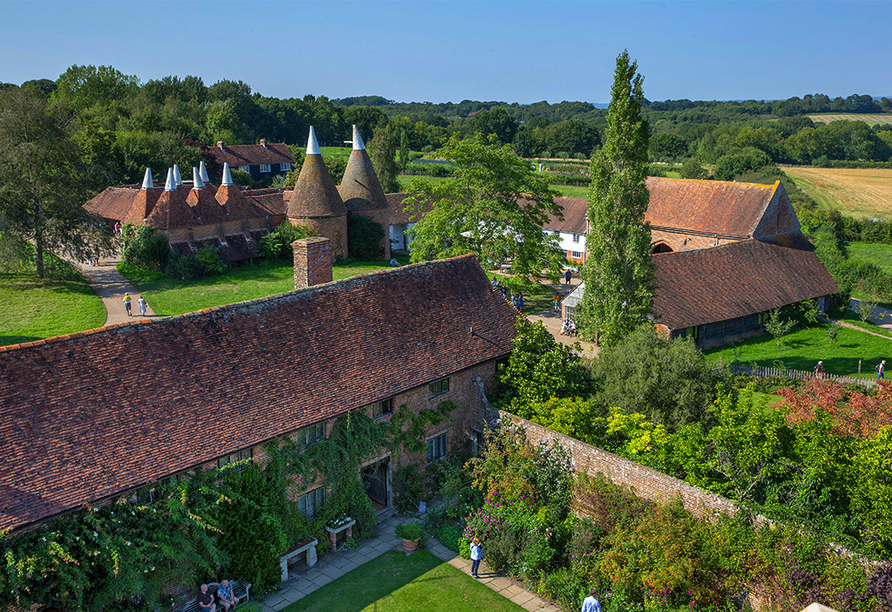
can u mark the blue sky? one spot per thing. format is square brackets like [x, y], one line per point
[449, 51]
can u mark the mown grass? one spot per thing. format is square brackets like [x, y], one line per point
[876, 253]
[33, 308]
[854, 319]
[398, 583]
[805, 346]
[169, 296]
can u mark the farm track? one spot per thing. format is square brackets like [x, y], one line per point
[860, 192]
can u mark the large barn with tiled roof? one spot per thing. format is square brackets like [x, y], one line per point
[91, 416]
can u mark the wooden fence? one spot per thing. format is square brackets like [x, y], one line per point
[799, 375]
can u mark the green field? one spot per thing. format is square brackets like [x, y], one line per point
[168, 296]
[876, 253]
[33, 308]
[868, 118]
[395, 582]
[803, 347]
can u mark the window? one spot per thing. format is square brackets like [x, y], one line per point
[379, 409]
[575, 237]
[286, 166]
[439, 387]
[478, 442]
[239, 457]
[245, 168]
[311, 502]
[557, 232]
[264, 167]
[436, 448]
[308, 436]
[576, 254]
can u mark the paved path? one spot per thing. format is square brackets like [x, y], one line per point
[551, 319]
[111, 286]
[882, 317]
[332, 566]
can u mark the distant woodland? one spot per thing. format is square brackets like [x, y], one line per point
[122, 125]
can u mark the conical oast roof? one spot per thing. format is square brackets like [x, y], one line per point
[232, 201]
[315, 194]
[360, 187]
[143, 202]
[171, 210]
[202, 202]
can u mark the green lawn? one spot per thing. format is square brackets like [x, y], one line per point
[802, 348]
[168, 296]
[877, 254]
[398, 583]
[32, 308]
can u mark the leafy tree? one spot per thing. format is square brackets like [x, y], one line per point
[669, 381]
[43, 185]
[81, 87]
[144, 247]
[404, 150]
[382, 151]
[778, 326]
[618, 272]
[668, 146]
[539, 369]
[749, 160]
[277, 243]
[692, 169]
[495, 122]
[573, 137]
[494, 206]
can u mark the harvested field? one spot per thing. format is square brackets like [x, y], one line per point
[868, 119]
[864, 193]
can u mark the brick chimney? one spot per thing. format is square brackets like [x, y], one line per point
[263, 143]
[220, 145]
[312, 262]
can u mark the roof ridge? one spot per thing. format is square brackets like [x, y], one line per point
[344, 282]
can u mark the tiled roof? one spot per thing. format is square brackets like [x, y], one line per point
[272, 203]
[113, 203]
[734, 280]
[248, 155]
[398, 214]
[234, 203]
[714, 207]
[575, 216]
[94, 414]
[205, 206]
[171, 211]
[360, 188]
[315, 194]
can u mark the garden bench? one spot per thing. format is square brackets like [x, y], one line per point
[240, 588]
[308, 548]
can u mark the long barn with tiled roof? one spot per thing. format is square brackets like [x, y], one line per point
[99, 414]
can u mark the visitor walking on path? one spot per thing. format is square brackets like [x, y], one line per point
[476, 556]
[127, 300]
[881, 370]
[591, 604]
[142, 305]
[568, 276]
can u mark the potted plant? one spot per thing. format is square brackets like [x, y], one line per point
[410, 534]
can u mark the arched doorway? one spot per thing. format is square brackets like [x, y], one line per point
[662, 247]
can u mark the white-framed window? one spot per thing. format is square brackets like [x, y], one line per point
[246, 169]
[576, 254]
[575, 237]
[436, 448]
[264, 167]
[439, 387]
[286, 166]
[243, 456]
[557, 232]
[380, 409]
[307, 436]
[311, 502]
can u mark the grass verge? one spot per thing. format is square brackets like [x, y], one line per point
[33, 308]
[399, 583]
[169, 296]
[802, 348]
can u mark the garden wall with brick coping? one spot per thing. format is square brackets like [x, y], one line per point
[646, 483]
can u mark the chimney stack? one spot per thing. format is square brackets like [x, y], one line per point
[263, 143]
[312, 262]
[220, 144]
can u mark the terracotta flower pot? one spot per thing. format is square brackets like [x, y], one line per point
[410, 545]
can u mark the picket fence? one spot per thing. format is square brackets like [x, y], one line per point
[799, 375]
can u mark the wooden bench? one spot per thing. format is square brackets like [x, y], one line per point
[240, 589]
[308, 548]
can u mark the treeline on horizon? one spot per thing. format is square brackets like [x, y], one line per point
[123, 126]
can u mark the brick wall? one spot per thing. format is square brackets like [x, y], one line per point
[687, 242]
[333, 228]
[646, 483]
[312, 262]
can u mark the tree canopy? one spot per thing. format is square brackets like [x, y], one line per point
[493, 206]
[618, 271]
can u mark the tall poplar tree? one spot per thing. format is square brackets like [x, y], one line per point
[618, 272]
